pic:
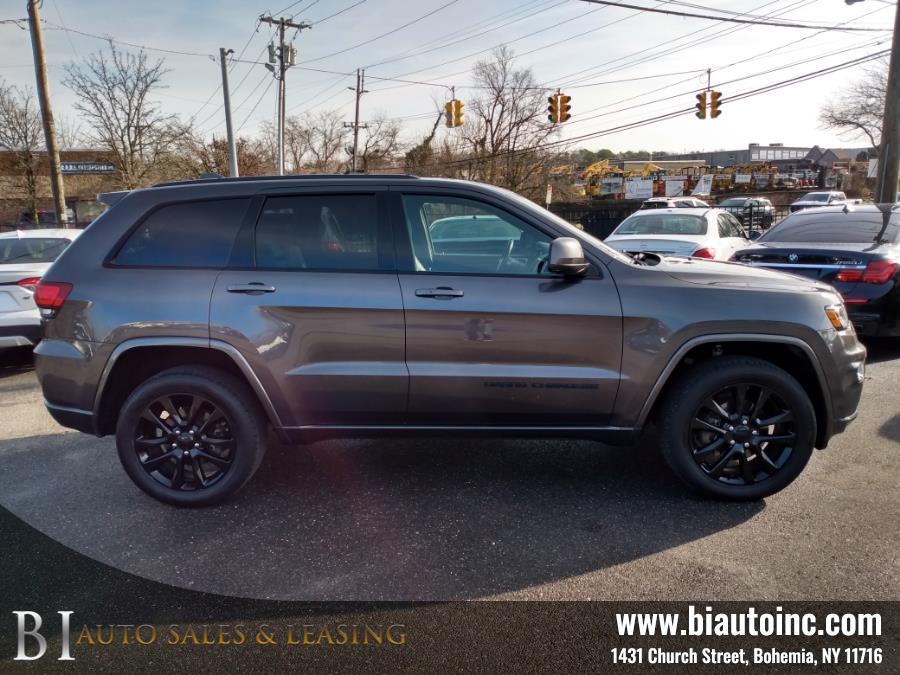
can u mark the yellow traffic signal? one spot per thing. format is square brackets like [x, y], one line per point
[458, 117]
[453, 113]
[553, 108]
[714, 97]
[701, 105]
[564, 107]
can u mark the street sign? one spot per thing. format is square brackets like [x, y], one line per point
[549, 194]
[87, 167]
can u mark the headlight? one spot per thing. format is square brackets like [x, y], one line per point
[837, 315]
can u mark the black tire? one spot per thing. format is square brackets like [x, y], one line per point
[752, 471]
[230, 430]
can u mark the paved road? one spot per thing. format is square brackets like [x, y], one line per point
[442, 519]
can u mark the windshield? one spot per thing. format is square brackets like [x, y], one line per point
[834, 228]
[816, 197]
[473, 227]
[663, 223]
[732, 202]
[31, 250]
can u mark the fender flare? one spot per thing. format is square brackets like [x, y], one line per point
[713, 338]
[200, 343]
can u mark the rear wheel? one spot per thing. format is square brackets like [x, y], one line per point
[737, 428]
[191, 436]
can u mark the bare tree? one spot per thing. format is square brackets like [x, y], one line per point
[505, 127]
[859, 110]
[380, 144]
[324, 136]
[114, 98]
[21, 134]
[69, 132]
[194, 155]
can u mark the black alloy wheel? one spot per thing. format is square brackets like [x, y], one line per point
[742, 434]
[191, 435]
[184, 441]
[736, 427]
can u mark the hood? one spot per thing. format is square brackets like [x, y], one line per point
[734, 275]
[665, 244]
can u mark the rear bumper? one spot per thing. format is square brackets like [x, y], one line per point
[26, 335]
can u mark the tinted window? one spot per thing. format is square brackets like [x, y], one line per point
[31, 250]
[663, 223]
[458, 236]
[816, 197]
[733, 202]
[838, 228]
[324, 232]
[190, 234]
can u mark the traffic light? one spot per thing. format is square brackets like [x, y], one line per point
[454, 113]
[701, 105]
[553, 108]
[564, 107]
[714, 97]
[458, 116]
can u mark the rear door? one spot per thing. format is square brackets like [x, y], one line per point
[492, 338]
[312, 301]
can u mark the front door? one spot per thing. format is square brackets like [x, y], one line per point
[492, 338]
[316, 309]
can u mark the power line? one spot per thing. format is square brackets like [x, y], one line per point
[753, 22]
[383, 35]
[331, 16]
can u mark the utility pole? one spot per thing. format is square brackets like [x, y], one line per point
[889, 153]
[356, 126]
[229, 130]
[286, 58]
[43, 88]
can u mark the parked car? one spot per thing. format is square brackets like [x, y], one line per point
[855, 250]
[699, 233]
[818, 199]
[674, 203]
[755, 212]
[46, 219]
[193, 316]
[24, 257]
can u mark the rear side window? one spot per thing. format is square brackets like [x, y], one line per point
[835, 228]
[190, 234]
[320, 232]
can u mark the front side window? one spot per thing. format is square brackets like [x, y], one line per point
[319, 232]
[451, 235]
[189, 234]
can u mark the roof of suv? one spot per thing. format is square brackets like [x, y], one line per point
[289, 177]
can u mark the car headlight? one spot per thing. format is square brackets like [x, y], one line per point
[837, 315]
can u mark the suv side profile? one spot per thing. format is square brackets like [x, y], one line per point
[192, 317]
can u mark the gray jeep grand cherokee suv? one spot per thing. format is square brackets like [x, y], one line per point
[193, 316]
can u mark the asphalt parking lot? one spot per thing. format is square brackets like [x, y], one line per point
[445, 519]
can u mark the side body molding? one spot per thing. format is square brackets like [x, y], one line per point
[200, 343]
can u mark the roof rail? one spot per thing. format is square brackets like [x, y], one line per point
[215, 178]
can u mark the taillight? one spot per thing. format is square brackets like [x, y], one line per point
[879, 271]
[708, 253]
[876, 272]
[29, 283]
[51, 294]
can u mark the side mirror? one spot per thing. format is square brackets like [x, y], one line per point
[567, 257]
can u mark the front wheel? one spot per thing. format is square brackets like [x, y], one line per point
[737, 428]
[191, 436]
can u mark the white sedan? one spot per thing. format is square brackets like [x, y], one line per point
[699, 233]
[24, 257]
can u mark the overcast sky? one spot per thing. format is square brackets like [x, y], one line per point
[597, 45]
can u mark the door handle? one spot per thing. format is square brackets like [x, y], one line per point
[440, 292]
[253, 288]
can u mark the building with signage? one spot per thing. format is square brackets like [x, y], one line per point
[85, 173]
